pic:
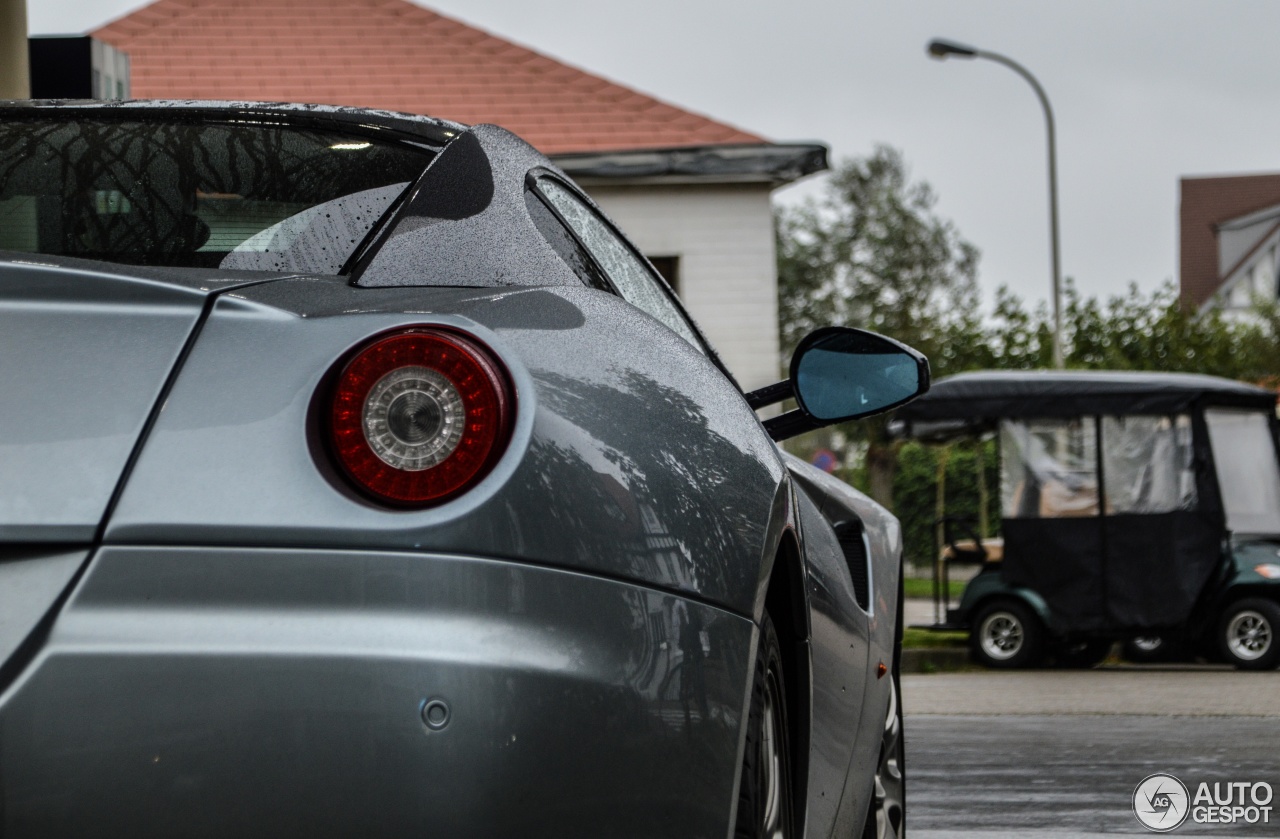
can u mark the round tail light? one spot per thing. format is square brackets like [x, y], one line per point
[420, 416]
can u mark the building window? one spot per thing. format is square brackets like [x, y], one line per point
[669, 268]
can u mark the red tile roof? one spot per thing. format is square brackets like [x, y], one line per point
[1206, 203]
[395, 55]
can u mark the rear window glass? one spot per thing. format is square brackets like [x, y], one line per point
[242, 196]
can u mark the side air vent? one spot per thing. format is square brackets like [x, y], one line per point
[849, 534]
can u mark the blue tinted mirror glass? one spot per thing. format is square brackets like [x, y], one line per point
[850, 374]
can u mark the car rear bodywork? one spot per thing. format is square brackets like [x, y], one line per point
[246, 623]
[206, 629]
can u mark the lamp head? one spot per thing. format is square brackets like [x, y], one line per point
[941, 49]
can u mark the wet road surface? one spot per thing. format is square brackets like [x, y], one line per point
[1058, 754]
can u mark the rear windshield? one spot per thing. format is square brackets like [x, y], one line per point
[243, 196]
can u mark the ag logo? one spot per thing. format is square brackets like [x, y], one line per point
[1161, 802]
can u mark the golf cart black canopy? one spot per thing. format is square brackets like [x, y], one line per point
[971, 402]
[1117, 524]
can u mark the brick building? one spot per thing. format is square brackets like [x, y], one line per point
[1229, 235]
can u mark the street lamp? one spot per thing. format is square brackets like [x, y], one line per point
[942, 50]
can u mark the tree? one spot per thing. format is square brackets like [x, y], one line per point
[871, 253]
[1135, 331]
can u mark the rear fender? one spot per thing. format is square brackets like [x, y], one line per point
[976, 597]
[632, 456]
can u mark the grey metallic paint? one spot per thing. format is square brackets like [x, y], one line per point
[85, 356]
[250, 645]
[31, 578]
[87, 349]
[243, 692]
[647, 467]
[848, 645]
[429, 245]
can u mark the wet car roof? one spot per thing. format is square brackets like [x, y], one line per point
[432, 131]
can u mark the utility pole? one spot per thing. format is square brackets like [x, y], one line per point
[15, 73]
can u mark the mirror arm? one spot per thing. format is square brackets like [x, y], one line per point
[770, 395]
[790, 424]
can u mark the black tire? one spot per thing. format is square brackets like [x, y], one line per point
[1006, 635]
[1246, 634]
[1151, 649]
[1084, 654]
[887, 813]
[765, 808]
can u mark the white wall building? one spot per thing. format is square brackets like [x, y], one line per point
[704, 218]
[1229, 242]
[1247, 263]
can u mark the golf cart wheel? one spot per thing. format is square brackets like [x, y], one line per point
[1082, 655]
[764, 793]
[1149, 649]
[1006, 634]
[1247, 634]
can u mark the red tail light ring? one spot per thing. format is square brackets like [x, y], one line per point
[420, 416]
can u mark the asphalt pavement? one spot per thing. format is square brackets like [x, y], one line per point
[1058, 754]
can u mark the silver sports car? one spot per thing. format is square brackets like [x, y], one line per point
[358, 478]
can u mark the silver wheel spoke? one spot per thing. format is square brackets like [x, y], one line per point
[771, 766]
[1001, 635]
[889, 788]
[1249, 635]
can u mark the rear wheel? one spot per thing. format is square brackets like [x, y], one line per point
[764, 793]
[887, 815]
[886, 819]
[1007, 634]
[1247, 634]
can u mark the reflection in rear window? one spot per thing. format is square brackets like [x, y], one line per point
[244, 196]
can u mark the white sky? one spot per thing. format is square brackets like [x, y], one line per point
[1144, 91]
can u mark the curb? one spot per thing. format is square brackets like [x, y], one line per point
[934, 659]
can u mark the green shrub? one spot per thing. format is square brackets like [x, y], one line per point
[915, 492]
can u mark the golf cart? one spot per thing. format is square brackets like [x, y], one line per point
[1139, 507]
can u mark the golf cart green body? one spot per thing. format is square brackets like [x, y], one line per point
[1136, 507]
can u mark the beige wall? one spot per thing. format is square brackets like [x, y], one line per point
[15, 81]
[723, 236]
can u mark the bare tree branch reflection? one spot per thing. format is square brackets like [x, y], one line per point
[154, 193]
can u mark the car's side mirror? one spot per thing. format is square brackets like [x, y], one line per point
[840, 374]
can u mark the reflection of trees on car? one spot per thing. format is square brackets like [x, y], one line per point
[676, 493]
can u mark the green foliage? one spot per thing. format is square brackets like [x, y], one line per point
[872, 253]
[915, 492]
[922, 588]
[924, 639]
[1136, 332]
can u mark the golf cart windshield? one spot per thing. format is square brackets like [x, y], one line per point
[1244, 455]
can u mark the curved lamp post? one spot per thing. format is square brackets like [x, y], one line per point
[942, 50]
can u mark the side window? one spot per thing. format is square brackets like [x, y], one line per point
[669, 268]
[1049, 468]
[628, 274]
[563, 243]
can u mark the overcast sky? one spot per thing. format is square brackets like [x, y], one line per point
[1144, 92]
